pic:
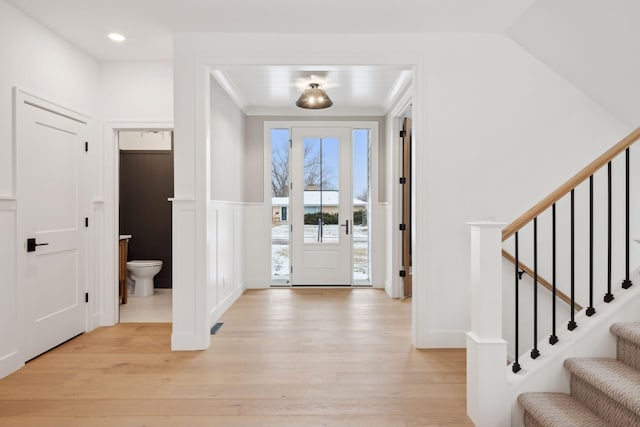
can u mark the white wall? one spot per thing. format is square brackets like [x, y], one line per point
[593, 43]
[486, 116]
[499, 139]
[136, 91]
[44, 65]
[227, 147]
[227, 218]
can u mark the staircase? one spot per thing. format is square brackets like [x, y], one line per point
[604, 391]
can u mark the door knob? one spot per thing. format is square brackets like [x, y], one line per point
[31, 244]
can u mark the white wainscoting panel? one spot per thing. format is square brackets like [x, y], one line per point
[226, 250]
[257, 254]
[188, 318]
[9, 331]
[98, 287]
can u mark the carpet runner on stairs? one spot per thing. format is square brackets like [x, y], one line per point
[604, 392]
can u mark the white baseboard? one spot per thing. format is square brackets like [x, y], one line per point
[189, 342]
[219, 310]
[256, 284]
[443, 339]
[10, 363]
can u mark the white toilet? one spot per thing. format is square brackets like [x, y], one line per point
[141, 273]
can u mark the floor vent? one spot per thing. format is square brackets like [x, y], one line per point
[216, 327]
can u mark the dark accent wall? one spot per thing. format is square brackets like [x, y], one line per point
[146, 182]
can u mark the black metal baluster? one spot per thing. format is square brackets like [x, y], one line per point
[572, 323]
[534, 352]
[626, 284]
[553, 338]
[516, 366]
[591, 310]
[608, 296]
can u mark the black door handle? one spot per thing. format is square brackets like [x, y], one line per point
[31, 244]
[346, 224]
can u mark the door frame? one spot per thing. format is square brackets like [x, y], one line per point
[377, 223]
[396, 289]
[20, 97]
[108, 282]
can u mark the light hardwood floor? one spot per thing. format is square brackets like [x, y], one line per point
[308, 357]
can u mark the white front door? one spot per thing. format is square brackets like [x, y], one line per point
[51, 242]
[321, 205]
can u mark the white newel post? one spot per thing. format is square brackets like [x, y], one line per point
[487, 404]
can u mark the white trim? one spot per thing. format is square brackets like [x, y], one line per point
[224, 305]
[8, 204]
[443, 339]
[473, 336]
[110, 199]
[230, 88]
[231, 203]
[399, 93]
[196, 55]
[327, 112]
[10, 363]
[403, 102]
[396, 114]
[55, 106]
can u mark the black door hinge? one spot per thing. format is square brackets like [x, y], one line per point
[86, 146]
[403, 180]
[86, 297]
[403, 273]
[86, 222]
[402, 227]
[403, 133]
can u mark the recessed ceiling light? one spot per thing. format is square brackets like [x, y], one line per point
[117, 37]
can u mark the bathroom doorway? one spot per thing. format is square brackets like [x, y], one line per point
[145, 159]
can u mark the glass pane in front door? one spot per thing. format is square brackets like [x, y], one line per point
[361, 189]
[280, 206]
[321, 190]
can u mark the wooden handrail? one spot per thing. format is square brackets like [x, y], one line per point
[572, 183]
[541, 280]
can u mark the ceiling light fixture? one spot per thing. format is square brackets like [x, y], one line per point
[314, 98]
[117, 37]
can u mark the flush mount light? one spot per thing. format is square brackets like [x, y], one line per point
[314, 98]
[116, 37]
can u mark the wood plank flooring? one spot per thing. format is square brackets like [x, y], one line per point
[284, 357]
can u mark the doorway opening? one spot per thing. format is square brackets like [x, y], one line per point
[320, 186]
[145, 189]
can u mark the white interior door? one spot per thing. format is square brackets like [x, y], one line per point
[321, 206]
[51, 157]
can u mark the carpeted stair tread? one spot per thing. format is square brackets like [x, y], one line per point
[612, 377]
[559, 410]
[627, 331]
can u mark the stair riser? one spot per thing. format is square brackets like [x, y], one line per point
[529, 421]
[628, 353]
[608, 409]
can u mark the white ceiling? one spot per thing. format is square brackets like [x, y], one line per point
[365, 90]
[595, 44]
[355, 90]
[149, 24]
